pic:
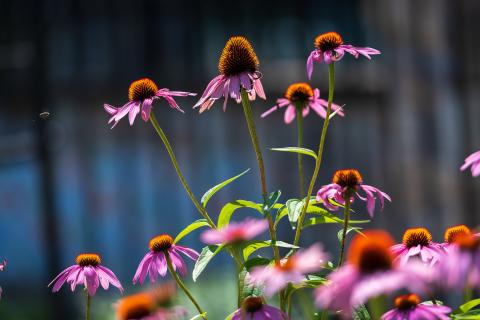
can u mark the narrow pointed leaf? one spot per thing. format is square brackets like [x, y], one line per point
[206, 255]
[272, 200]
[219, 186]
[227, 210]
[256, 245]
[305, 151]
[349, 229]
[467, 306]
[192, 226]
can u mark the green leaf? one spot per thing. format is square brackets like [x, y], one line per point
[361, 313]
[219, 186]
[294, 208]
[256, 245]
[356, 229]
[256, 261]
[473, 314]
[467, 306]
[272, 200]
[199, 316]
[192, 226]
[230, 316]
[305, 151]
[328, 217]
[229, 209]
[206, 255]
[247, 289]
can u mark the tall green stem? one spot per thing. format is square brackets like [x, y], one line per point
[346, 218]
[247, 110]
[301, 177]
[162, 136]
[88, 307]
[318, 162]
[181, 285]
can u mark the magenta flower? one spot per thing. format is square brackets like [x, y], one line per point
[291, 270]
[141, 95]
[451, 234]
[253, 308]
[461, 266]
[329, 48]
[235, 232]
[238, 66]
[472, 160]
[346, 183]
[408, 307]
[370, 271]
[89, 272]
[155, 262]
[301, 95]
[417, 244]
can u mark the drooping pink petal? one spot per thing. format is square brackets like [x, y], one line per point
[290, 113]
[178, 262]
[257, 85]
[108, 274]
[142, 268]
[91, 280]
[109, 108]
[192, 254]
[146, 109]
[61, 278]
[310, 64]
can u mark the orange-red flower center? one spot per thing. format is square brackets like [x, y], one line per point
[452, 233]
[286, 264]
[299, 92]
[328, 41]
[142, 89]
[468, 242]
[252, 304]
[160, 243]
[371, 252]
[349, 178]
[135, 306]
[416, 236]
[407, 302]
[237, 56]
[88, 259]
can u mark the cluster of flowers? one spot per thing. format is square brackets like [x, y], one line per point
[374, 264]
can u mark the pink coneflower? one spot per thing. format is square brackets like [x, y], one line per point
[155, 262]
[253, 308]
[141, 95]
[472, 160]
[329, 48]
[89, 272]
[461, 266]
[417, 244]
[346, 183]
[301, 95]
[408, 307]
[235, 232]
[238, 66]
[451, 234]
[370, 271]
[291, 270]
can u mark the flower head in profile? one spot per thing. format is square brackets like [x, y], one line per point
[238, 68]
[345, 185]
[89, 272]
[472, 161]
[290, 270]
[235, 232]
[155, 261]
[371, 271]
[253, 308]
[153, 304]
[409, 307]
[141, 95]
[461, 266]
[452, 233]
[300, 96]
[329, 47]
[417, 244]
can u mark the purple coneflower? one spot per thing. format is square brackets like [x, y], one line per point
[88, 272]
[417, 244]
[141, 95]
[451, 234]
[301, 95]
[155, 262]
[349, 181]
[408, 307]
[291, 270]
[370, 271]
[238, 68]
[472, 160]
[461, 266]
[235, 232]
[253, 308]
[329, 48]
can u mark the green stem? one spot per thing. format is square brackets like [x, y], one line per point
[301, 177]
[468, 294]
[247, 110]
[346, 218]
[318, 162]
[181, 285]
[162, 136]
[88, 307]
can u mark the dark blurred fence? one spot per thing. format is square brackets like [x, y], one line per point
[70, 184]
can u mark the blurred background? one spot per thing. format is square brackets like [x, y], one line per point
[70, 184]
